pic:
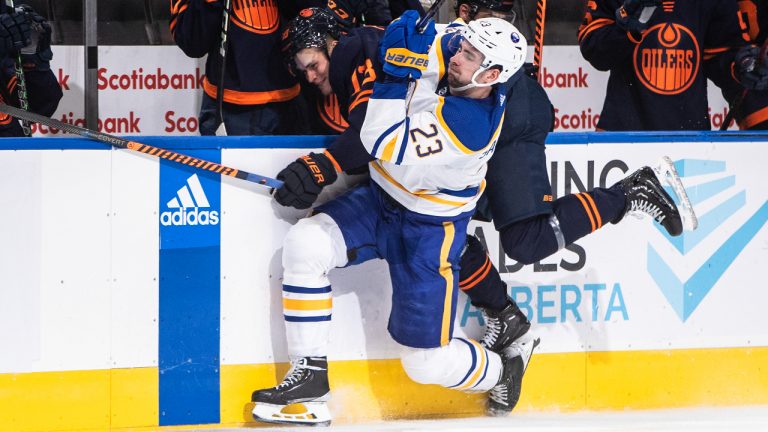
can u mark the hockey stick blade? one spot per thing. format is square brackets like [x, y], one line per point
[141, 148]
[668, 174]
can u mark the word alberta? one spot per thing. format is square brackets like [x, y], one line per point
[193, 216]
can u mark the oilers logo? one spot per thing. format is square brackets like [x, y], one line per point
[667, 60]
[256, 16]
[188, 206]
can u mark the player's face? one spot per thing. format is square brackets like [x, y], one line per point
[314, 64]
[463, 65]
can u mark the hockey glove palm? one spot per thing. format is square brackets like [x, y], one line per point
[304, 179]
[633, 16]
[751, 68]
[14, 32]
[403, 49]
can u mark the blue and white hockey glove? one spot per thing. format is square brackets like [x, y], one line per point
[403, 49]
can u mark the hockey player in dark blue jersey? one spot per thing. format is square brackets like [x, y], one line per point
[345, 66]
[660, 55]
[23, 30]
[259, 94]
[749, 99]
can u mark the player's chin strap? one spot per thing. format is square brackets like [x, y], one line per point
[473, 82]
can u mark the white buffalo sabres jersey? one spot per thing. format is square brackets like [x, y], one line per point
[431, 151]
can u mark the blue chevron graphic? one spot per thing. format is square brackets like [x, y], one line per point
[685, 296]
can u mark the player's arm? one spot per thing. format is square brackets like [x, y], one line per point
[610, 30]
[196, 25]
[722, 41]
[348, 150]
[43, 90]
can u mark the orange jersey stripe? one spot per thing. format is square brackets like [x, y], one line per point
[586, 209]
[756, 117]
[594, 209]
[594, 25]
[482, 270]
[252, 98]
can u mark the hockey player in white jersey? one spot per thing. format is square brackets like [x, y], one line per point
[430, 154]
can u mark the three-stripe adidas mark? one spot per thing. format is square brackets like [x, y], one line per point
[190, 196]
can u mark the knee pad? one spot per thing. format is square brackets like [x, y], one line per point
[461, 365]
[428, 365]
[311, 249]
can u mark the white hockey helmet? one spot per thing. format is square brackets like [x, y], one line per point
[500, 43]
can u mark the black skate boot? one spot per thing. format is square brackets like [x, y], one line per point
[504, 327]
[645, 194]
[504, 396]
[306, 383]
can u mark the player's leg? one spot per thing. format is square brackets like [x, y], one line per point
[425, 287]
[480, 280]
[577, 215]
[312, 248]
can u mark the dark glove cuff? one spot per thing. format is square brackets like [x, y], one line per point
[321, 167]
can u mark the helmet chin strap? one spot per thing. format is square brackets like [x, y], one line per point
[473, 82]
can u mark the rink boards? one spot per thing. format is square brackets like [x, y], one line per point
[136, 293]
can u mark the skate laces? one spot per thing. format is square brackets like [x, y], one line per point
[492, 331]
[647, 207]
[295, 374]
[499, 394]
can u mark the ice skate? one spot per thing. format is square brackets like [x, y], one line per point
[504, 327]
[515, 358]
[307, 384]
[645, 195]
[667, 173]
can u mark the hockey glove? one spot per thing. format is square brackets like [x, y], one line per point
[39, 49]
[304, 179]
[751, 68]
[14, 32]
[630, 16]
[403, 49]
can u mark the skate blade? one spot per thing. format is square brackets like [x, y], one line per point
[304, 414]
[668, 174]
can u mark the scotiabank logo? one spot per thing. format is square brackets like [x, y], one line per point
[667, 59]
[187, 206]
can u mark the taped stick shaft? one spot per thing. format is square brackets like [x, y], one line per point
[142, 148]
[538, 37]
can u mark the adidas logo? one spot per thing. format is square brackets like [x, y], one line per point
[188, 202]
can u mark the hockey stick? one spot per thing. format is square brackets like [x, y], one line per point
[538, 36]
[761, 59]
[422, 24]
[222, 129]
[21, 82]
[150, 25]
[141, 148]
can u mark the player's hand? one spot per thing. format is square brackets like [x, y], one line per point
[304, 179]
[39, 49]
[14, 32]
[403, 49]
[751, 68]
[629, 16]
